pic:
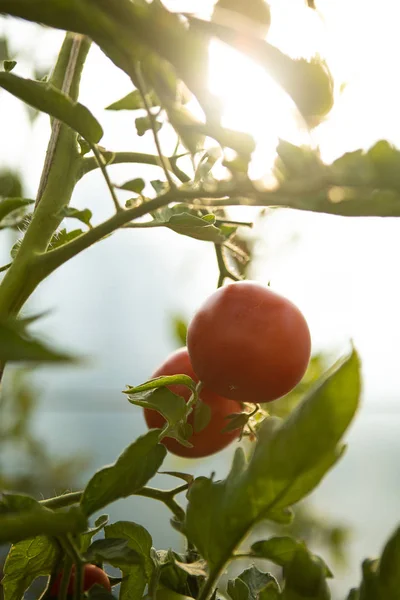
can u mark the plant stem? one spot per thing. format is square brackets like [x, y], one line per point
[224, 271]
[60, 175]
[62, 501]
[65, 578]
[114, 158]
[141, 86]
[100, 161]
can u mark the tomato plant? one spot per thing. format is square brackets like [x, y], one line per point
[91, 575]
[209, 439]
[245, 344]
[248, 343]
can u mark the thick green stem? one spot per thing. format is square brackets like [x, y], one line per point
[60, 174]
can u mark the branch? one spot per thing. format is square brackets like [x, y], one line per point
[224, 271]
[100, 162]
[115, 158]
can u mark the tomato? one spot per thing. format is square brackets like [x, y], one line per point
[91, 575]
[248, 343]
[209, 440]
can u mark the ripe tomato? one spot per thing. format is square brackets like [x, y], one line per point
[248, 343]
[209, 440]
[91, 575]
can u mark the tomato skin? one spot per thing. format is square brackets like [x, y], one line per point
[248, 343]
[210, 439]
[91, 575]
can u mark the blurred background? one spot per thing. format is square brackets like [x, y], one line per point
[117, 303]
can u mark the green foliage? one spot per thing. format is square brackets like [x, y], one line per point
[133, 101]
[84, 216]
[136, 465]
[26, 561]
[289, 460]
[17, 345]
[250, 585]
[46, 98]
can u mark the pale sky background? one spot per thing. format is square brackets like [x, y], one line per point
[114, 301]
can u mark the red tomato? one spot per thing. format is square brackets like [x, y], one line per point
[91, 575]
[209, 440]
[248, 343]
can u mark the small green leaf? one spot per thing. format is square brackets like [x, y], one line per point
[144, 124]
[196, 227]
[84, 146]
[162, 381]
[14, 503]
[305, 577]
[73, 213]
[86, 537]
[134, 101]
[180, 329]
[202, 416]
[134, 185]
[195, 569]
[9, 65]
[25, 562]
[62, 236]
[158, 186]
[50, 100]
[136, 465]
[8, 205]
[236, 421]
[114, 551]
[136, 576]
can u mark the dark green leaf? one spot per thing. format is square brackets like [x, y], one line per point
[305, 577]
[134, 185]
[86, 537]
[133, 101]
[50, 100]
[289, 458]
[25, 562]
[282, 550]
[144, 124]
[136, 465]
[73, 213]
[14, 503]
[17, 345]
[140, 542]
[114, 551]
[9, 65]
[270, 592]
[389, 567]
[370, 585]
[238, 590]
[202, 416]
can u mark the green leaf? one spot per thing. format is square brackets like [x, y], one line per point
[25, 562]
[73, 213]
[389, 567]
[22, 525]
[12, 503]
[179, 326]
[305, 577]
[86, 537]
[52, 101]
[162, 381]
[9, 65]
[202, 416]
[282, 550]
[8, 205]
[114, 551]
[134, 185]
[370, 585]
[139, 541]
[195, 569]
[289, 458]
[136, 465]
[249, 584]
[61, 237]
[16, 345]
[199, 228]
[171, 406]
[144, 124]
[134, 101]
